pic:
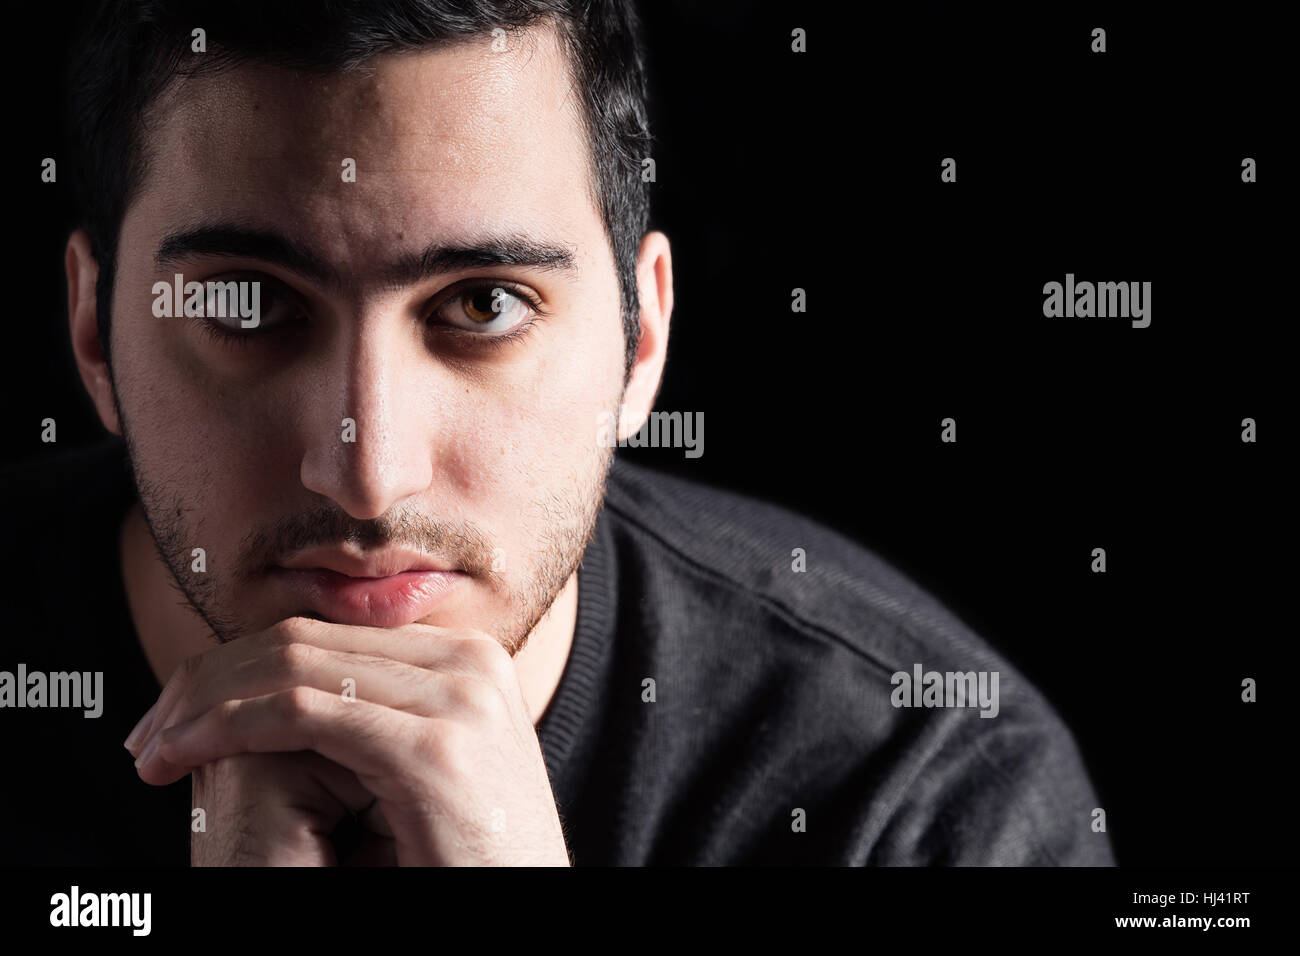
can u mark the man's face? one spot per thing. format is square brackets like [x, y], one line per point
[475, 451]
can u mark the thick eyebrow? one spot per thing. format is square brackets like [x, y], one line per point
[407, 269]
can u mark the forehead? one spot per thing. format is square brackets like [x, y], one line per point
[444, 140]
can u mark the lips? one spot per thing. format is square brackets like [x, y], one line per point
[391, 589]
[380, 564]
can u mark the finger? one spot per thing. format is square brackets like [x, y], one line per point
[275, 809]
[463, 652]
[392, 683]
[422, 645]
[373, 741]
[344, 787]
[339, 782]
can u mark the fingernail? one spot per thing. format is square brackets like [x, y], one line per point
[134, 738]
[148, 752]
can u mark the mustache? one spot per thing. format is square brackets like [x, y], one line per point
[461, 541]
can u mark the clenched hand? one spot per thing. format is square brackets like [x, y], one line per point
[436, 752]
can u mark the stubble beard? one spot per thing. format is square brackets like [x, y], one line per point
[566, 523]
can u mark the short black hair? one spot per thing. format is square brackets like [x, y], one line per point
[130, 51]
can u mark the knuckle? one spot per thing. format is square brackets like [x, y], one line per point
[290, 630]
[446, 746]
[281, 632]
[225, 711]
[295, 657]
[479, 698]
[297, 702]
[487, 657]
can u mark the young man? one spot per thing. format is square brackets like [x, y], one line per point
[360, 293]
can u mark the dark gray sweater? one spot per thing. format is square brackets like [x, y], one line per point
[772, 695]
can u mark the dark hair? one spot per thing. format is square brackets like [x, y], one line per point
[131, 50]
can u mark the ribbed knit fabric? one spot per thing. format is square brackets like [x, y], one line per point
[771, 737]
[578, 696]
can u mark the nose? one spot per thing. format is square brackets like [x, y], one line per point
[367, 448]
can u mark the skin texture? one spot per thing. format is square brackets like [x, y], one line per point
[463, 451]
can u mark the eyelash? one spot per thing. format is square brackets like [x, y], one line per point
[221, 336]
[493, 342]
[216, 333]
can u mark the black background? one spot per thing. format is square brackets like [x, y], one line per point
[821, 171]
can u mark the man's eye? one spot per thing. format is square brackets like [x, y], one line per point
[247, 306]
[489, 310]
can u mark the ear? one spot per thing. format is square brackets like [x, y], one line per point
[83, 271]
[654, 274]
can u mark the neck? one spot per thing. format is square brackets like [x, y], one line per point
[170, 630]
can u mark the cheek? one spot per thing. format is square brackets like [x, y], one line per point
[518, 444]
[169, 392]
[564, 397]
[178, 425]
[197, 445]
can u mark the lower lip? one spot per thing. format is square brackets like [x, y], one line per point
[393, 601]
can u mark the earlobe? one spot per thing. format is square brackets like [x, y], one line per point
[82, 274]
[655, 291]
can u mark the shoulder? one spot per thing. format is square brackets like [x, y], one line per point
[790, 567]
[814, 657]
